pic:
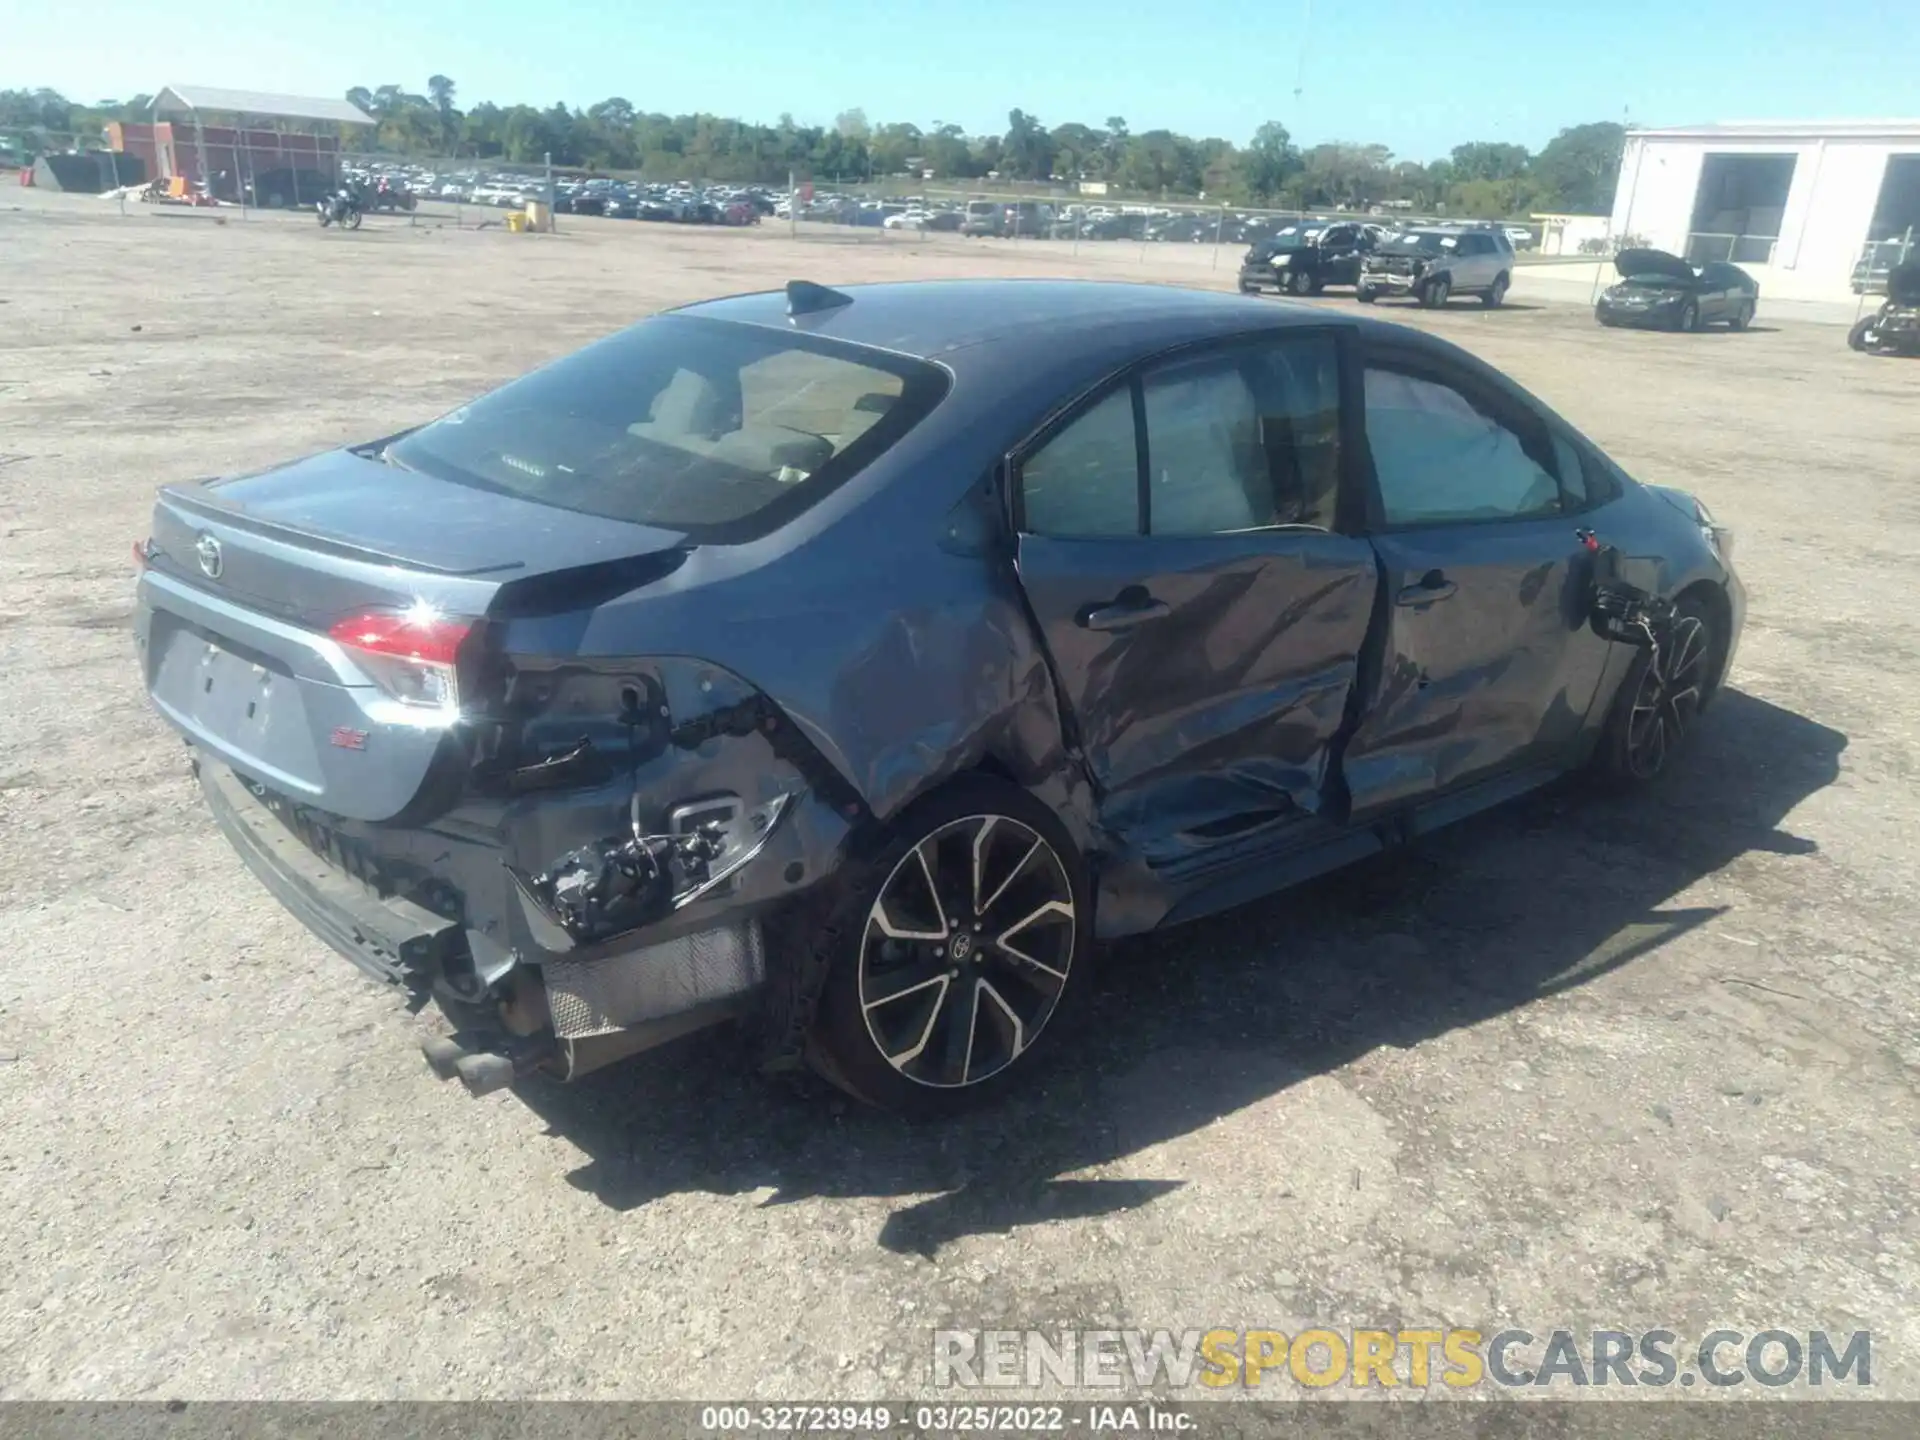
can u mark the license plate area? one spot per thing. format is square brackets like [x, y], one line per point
[241, 701]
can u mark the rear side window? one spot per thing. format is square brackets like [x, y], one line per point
[718, 430]
[1085, 481]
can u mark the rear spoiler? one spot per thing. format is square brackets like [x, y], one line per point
[195, 498]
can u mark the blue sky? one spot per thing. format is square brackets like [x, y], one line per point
[1417, 75]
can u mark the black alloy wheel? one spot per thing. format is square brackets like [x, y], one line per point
[1300, 282]
[1662, 696]
[959, 945]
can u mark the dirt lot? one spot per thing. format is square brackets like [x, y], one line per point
[1627, 1061]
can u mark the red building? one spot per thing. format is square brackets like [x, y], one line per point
[223, 140]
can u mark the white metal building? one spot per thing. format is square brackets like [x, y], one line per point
[1798, 205]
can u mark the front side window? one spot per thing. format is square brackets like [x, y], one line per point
[693, 425]
[1439, 458]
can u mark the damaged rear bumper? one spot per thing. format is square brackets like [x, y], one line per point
[445, 910]
[390, 938]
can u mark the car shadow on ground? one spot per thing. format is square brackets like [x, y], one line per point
[1192, 1024]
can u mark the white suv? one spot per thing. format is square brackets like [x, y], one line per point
[1434, 263]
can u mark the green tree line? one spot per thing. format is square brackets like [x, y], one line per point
[1574, 172]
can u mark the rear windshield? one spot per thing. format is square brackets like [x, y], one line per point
[719, 430]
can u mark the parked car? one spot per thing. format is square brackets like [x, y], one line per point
[1434, 263]
[1116, 227]
[1665, 292]
[1305, 259]
[390, 197]
[984, 217]
[1520, 237]
[785, 655]
[1028, 218]
[1894, 328]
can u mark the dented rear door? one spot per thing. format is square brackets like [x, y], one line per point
[1202, 614]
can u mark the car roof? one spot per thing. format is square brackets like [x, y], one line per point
[974, 323]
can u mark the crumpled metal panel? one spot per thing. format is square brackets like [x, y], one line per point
[599, 996]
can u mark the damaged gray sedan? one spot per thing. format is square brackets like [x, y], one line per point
[851, 661]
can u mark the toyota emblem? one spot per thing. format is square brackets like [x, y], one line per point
[208, 549]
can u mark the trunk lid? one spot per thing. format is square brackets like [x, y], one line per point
[245, 578]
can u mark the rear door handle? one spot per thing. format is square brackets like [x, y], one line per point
[1428, 588]
[1132, 606]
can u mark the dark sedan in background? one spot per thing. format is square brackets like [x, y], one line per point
[1664, 292]
[852, 660]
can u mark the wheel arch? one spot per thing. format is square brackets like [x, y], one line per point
[1713, 596]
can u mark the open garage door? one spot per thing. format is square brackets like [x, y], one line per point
[1737, 209]
[1891, 238]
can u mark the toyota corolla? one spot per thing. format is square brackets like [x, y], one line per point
[851, 662]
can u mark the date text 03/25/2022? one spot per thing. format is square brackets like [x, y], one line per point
[1095, 1418]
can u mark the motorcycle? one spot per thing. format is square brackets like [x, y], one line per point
[341, 208]
[1893, 329]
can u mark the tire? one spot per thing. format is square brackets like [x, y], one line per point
[1865, 334]
[1742, 317]
[1436, 294]
[1366, 294]
[1299, 283]
[1657, 706]
[352, 222]
[1688, 319]
[1494, 296]
[906, 1013]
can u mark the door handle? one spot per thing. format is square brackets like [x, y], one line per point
[1132, 606]
[1428, 588]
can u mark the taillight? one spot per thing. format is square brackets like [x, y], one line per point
[411, 654]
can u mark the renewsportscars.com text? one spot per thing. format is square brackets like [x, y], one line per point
[1454, 1359]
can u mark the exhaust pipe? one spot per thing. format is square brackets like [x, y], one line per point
[443, 1056]
[484, 1070]
[484, 1074]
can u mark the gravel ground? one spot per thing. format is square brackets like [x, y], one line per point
[1593, 1060]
